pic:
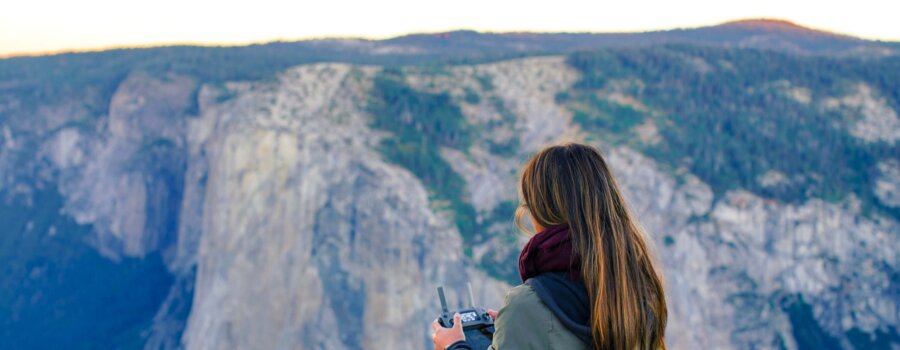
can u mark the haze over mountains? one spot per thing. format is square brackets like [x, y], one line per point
[312, 194]
[751, 33]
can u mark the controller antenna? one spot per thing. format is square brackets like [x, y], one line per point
[471, 298]
[440, 290]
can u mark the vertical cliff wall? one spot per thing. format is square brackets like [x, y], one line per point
[310, 239]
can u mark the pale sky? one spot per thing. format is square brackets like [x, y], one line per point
[33, 26]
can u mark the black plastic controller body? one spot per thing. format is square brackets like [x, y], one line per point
[477, 324]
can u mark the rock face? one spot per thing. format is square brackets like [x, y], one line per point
[286, 228]
[115, 181]
[873, 119]
[732, 264]
[308, 237]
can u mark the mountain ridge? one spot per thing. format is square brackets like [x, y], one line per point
[768, 26]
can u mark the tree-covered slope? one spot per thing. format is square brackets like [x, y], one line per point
[733, 117]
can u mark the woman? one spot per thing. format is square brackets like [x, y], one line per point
[589, 280]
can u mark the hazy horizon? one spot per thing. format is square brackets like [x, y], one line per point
[29, 29]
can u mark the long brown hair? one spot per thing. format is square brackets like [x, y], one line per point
[571, 184]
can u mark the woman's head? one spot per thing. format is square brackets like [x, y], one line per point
[571, 184]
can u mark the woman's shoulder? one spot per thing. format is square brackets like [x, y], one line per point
[523, 308]
[525, 322]
[522, 294]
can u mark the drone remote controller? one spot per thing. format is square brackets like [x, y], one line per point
[478, 326]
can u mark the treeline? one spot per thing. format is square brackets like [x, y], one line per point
[421, 123]
[26, 83]
[721, 114]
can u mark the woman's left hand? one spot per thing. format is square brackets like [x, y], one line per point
[444, 337]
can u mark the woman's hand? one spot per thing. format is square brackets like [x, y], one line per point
[493, 314]
[444, 337]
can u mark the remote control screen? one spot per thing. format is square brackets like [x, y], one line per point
[468, 316]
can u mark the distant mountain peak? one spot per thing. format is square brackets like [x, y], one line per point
[764, 22]
[777, 25]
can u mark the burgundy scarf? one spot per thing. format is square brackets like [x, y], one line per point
[549, 250]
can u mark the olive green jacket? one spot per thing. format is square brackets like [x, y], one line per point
[525, 323]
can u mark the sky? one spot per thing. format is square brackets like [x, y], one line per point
[43, 26]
